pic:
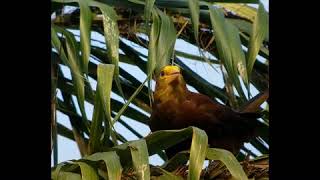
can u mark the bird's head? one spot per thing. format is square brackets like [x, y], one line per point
[170, 81]
[169, 75]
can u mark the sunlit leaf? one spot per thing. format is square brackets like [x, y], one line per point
[85, 32]
[111, 34]
[197, 153]
[229, 48]
[87, 172]
[112, 162]
[229, 160]
[69, 176]
[242, 10]
[194, 10]
[148, 50]
[152, 53]
[260, 30]
[148, 9]
[162, 40]
[102, 111]
[140, 159]
[124, 107]
[55, 173]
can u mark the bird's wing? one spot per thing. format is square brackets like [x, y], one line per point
[205, 105]
[217, 117]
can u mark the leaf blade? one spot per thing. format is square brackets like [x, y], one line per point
[85, 33]
[229, 160]
[259, 31]
[198, 153]
[112, 162]
[140, 159]
[102, 110]
[87, 172]
[73, 62]
[194, 10]
[229, 48]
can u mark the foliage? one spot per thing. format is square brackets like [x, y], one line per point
[220, 29]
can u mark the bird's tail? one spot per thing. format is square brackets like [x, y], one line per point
[257, 127]
[250, 115]
[254, 104]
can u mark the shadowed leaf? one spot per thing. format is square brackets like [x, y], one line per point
[73, 63]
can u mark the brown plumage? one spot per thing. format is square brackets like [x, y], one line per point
[175, 107]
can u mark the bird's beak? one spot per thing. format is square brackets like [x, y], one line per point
[173, 76]
[174, 73]
[173, 70]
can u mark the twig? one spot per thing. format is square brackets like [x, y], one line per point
[182, 28]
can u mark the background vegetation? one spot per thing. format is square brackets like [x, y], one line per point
[231, 36]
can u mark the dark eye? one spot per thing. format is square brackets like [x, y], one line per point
[162, 73]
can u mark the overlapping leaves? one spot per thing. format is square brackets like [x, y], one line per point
[162, 36]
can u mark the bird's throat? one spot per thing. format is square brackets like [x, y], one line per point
[174, 90]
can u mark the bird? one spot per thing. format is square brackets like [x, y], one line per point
[175, 107]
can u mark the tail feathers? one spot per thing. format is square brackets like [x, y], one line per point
[254, 104]
[257, 127]
[248, 123]
[250, 115]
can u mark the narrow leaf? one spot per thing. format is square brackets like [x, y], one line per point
[195, 57]
[111, 34]
[229, 48]
[85, 33]
[194, 10]
[152, 53]
[162, 40]
[238, 56]
[105, 75]
[140, 159]
[259, 32]
[241, 10]
[112, 162]
[55, 173]
[166, 41]
[197, 153]
[96, 130]
[87, 172]
[148, 9]
[69, 176]
[102, 111]
[57, 45]
[73, 62]
[124, 107]
[161, 45]
[229, 160]
[161, 140]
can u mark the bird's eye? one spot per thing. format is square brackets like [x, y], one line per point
[162, 73]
